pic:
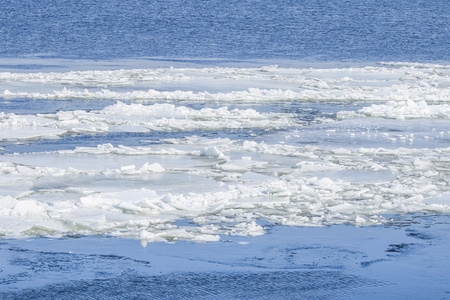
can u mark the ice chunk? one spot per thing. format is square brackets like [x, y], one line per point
[155, 167]
[212, 151]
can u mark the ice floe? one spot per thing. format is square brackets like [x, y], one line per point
[228, 194]
[387, 81]
[123, 117]
[401, 110]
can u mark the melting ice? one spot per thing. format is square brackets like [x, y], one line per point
[236, 147]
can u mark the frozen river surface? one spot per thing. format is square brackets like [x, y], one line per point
[97, 160]
[224, 149]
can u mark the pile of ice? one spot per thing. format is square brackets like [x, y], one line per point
[397, 82]
[138, 118]
[401, 110]
[97, 78]
[219, 192]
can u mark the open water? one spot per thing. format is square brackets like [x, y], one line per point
[301, 30]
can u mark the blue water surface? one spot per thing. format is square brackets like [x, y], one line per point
[321, 30]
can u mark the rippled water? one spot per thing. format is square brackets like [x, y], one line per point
[315, 30]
